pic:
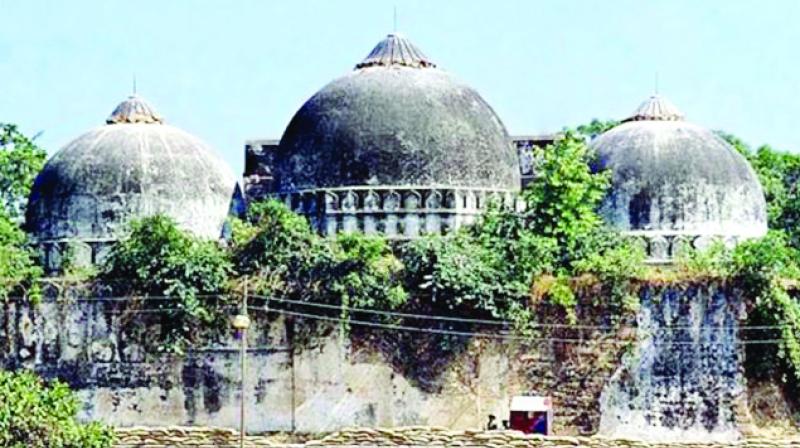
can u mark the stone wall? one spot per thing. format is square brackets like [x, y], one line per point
[684, 380]
[371, 378]
[368, 379]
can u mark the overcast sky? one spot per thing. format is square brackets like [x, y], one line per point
[228, 71]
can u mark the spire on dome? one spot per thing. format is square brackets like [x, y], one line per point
[396, 50]
[134, 110]
[656, 108]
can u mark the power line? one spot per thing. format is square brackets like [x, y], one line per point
[389, 313]
[229, 297]
[500, 336]
[505, 322]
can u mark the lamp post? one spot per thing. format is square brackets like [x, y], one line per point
[241, 323]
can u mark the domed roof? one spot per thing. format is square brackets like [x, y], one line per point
[396, 120]
[671, 176]
[132, 167]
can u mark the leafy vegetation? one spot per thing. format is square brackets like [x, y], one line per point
[511, 262]
[763, 268]
[365, 274]
[18, 268]
[779, 173]
[595, 127]
[286, 260]
[158, 261]
[20, 161]
[562, 200]
[35, 414]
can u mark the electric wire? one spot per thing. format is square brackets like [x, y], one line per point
[500, 336]
[388, 313]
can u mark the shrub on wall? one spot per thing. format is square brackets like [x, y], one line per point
[35, 414]
[18, 268]
[20, 161]
[280, 252]
[365, 274]
[182, 277]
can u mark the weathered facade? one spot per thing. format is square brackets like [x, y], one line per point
[323, 384]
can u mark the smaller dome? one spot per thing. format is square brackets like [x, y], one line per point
[132, 167]
[673, 178]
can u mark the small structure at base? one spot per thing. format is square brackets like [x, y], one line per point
[531, 414]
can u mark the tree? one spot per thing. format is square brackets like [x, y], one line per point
[281, 253]
[18, 269]
[779, 174]
[158, 261]
[562, 199]
[365, 273]
[20, 161]
[35, 414]
[596, 127]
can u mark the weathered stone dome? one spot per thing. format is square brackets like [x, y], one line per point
[671, 177]
[132, 167]
[395, 120]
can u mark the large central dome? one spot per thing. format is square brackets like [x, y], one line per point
[395, 120]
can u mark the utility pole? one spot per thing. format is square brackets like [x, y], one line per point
[241, 323]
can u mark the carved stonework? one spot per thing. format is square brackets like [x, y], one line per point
[372, 201]
[397, 212]
[434, 200]
[391, 202]
[663, 247]
[659, 248]
[349, 202]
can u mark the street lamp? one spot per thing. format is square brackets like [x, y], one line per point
[241, 323]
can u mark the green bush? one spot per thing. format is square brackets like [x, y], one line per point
[35, 414]
[157, 260]
[18, 270]
[454, 275]
[364, 273]
[21, 159]
[281, 254]
[767, 270]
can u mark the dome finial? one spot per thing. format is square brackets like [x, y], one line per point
[396, 50]
[134, 110]
[655, 88]
[656, 108]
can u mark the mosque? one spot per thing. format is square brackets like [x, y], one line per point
[397, 146]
